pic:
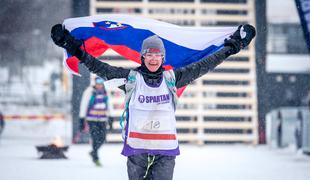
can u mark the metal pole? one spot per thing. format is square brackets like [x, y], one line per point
[80, 8]
[260, 48]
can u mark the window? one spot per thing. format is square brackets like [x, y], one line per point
[286, 39]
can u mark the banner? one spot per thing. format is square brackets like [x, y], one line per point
[303, 7]
[125, 34]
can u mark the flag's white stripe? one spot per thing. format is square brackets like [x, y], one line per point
[197, 38]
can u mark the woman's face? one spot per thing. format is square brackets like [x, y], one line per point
[153, 61]
[99, 86]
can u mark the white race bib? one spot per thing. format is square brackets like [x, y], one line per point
[152, 123]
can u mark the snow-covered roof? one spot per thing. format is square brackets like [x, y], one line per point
[287, 63]
[282, 11]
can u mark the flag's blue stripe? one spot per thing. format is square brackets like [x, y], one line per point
[176, 55]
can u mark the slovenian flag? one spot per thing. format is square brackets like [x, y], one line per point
[125, 33]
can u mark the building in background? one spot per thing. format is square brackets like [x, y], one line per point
[288, 60]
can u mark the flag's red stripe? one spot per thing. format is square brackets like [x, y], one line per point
[167, 67]
[180, 91]
[95, 46]
[127, 53]
[152, 136]
[73, 64]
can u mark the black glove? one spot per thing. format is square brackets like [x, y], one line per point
[82, 124]
[241, 38]
[64, 39]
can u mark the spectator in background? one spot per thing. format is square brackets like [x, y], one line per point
[306, 100]
[1, 123]
[94, 110]
[291, 98]
[298, 130]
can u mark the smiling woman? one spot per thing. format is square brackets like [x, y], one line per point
[153, 53]
[153, 61]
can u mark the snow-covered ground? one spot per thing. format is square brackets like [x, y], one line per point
[19, 160]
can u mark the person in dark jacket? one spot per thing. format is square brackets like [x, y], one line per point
[95, 110]
[1, 122]
[150, 141]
